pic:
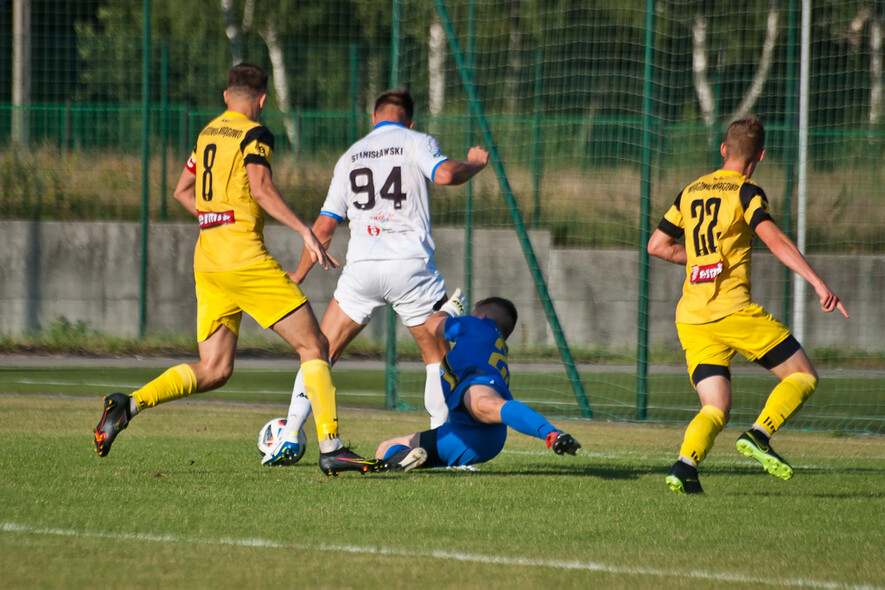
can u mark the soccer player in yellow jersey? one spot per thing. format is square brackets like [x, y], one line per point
[227, 185]
[718, 214]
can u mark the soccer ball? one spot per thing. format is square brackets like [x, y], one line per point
[271, 431]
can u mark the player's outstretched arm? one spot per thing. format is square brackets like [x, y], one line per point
[786, 251]
[452, 172]
[436, 324]
[454, 307]
[323, 228]
[185, 191]
[667, 247]
[268, 198]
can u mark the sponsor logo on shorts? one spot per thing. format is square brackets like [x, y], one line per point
[706, 273]
[212, 219]
[373, 230]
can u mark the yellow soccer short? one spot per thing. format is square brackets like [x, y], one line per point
[262, 290]
[751, 331]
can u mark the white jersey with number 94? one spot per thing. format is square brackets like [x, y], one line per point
[381, 184]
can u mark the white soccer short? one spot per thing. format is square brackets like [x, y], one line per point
[412, 286]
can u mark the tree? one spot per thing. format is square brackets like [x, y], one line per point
[269, 34]
[700, 68]
[870, 15]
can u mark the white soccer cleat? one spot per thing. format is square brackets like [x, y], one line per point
[406, 460]
[287, 449]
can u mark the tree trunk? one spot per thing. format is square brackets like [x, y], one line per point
[511, 84]
[875, 71]
[703, 88]
[281, 82]
[765, 61]
[234, 31]
[702, 84]
[436, 68]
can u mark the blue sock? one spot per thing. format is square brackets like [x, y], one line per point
[393, 450]
[522, 418]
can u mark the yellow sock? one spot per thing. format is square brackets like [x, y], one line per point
[321, 393]
[701, 433]
[785, 399]
[177, 382]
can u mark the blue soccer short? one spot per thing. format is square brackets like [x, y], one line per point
[462, 440]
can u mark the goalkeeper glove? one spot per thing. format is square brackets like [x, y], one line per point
[455, 305]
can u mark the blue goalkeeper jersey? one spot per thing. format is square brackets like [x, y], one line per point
[478, 355]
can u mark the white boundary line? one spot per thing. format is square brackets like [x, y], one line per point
[12, 527]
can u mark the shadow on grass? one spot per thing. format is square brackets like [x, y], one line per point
[607, 472]
[799, 471]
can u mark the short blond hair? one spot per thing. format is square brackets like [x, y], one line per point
[745, 138]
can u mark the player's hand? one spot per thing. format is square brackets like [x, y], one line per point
[318, 253]
[478, 156]
[455, 305]
[829, 301]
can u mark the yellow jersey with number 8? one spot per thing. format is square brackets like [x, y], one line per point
[717, 213]
[231, 221]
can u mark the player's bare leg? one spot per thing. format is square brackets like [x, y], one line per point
[339, 328]
[406, 440]
[402, 453]
[216, 364]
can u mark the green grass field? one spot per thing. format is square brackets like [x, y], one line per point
[182, 502]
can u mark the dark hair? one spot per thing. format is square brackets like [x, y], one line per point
[247, 79]
[745, 138]
[400, 98]
[501, 311]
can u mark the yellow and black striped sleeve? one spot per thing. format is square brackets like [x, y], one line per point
[673, 224]
[755, 204]
[257, 146]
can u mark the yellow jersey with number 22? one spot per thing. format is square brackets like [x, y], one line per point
[717, 213]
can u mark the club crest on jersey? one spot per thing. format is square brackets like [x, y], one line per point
[373, 230]
[213, 219]
[706, 273]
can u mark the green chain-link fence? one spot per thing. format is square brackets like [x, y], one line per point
[600, 112]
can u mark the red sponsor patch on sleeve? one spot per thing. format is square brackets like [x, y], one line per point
[191, 165]
[209, 219]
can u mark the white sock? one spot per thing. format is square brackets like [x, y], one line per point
[133, 407]
[330, 445]
[434, 400]
[299, 407]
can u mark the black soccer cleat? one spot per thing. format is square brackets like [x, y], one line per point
[406, 460]
[114, 419]
[683, 479]
[756, 445]
[346, 460]
[562, 443]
